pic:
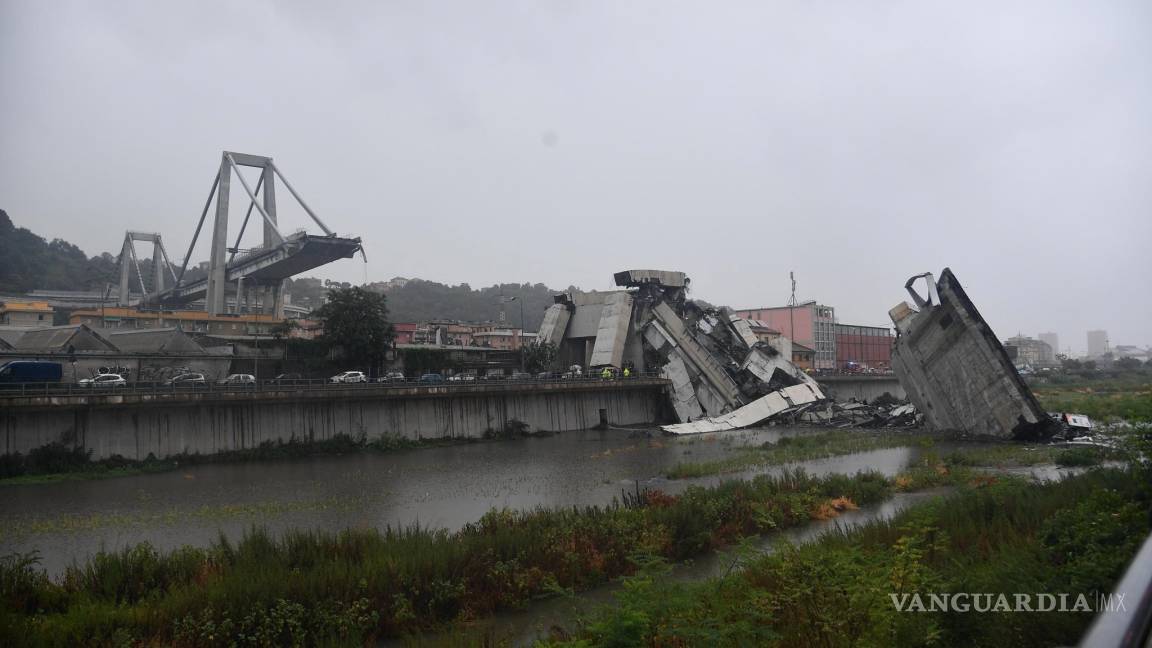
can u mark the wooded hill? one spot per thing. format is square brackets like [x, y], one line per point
[29, 262]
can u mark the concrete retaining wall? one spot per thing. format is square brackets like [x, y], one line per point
[200, 423]
[862, 388]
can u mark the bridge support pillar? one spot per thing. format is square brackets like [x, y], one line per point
[214, 301]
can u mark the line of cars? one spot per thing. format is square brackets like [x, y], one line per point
[190, 380]
[25, 372]
[353, 377]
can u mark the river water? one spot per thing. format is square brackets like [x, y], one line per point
[442, 487]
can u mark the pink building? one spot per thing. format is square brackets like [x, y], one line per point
[809, 324]
[404, 332]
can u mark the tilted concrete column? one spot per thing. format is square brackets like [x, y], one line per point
[122, 298]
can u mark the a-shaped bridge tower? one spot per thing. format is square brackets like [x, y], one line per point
[262, 269]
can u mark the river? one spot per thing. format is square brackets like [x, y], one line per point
[442, 487]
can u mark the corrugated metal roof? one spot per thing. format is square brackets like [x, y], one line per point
[12, 334]
[59, 338]
[161, 340]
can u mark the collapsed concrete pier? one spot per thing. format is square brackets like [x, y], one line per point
[722, 376]
[955, 370]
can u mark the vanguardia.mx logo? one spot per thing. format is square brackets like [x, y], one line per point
[1019, 602]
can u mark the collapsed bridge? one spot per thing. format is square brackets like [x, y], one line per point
[722, 376]
[245, 273]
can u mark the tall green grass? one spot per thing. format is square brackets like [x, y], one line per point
[1073, 536]
[1016, 454]
[348, 587]
[1101, 400]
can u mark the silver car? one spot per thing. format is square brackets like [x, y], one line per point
[104, 380]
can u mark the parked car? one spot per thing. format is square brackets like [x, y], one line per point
[466, 376]
[104, 380]
[520, 375]
[27, 371]
[431, 378]
[188, 380]
[391, 376]
[493, 375]
[287, 379]
[350, 377]
[239, 379]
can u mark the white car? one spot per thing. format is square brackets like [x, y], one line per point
[104, 380]
[350, 377]
[239, 379]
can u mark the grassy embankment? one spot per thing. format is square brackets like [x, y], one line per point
[800, 448]
[56, 462]
[849, 441]
[1074, 537]
[353, 586]
[1129, 398]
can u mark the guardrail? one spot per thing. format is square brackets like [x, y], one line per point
[18, 390]
[855, 374]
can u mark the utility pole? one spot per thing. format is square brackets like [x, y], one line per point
[792, 310]
[104, 307]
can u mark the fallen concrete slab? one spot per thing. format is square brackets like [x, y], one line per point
[612, 333]
[755, 412]
[555, 322]
[955, 370]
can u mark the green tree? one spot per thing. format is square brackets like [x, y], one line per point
[356, 321]
[538, 357]
[1128, 364]
[284, 329]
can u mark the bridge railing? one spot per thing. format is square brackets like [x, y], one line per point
[25, 390]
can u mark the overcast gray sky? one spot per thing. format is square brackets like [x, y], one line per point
[856, 143]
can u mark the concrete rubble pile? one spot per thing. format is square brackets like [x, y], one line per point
[845, 415]
[723, 377]
[955, 370]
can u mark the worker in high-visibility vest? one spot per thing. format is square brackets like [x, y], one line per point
[627, 372]
[606, 374]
